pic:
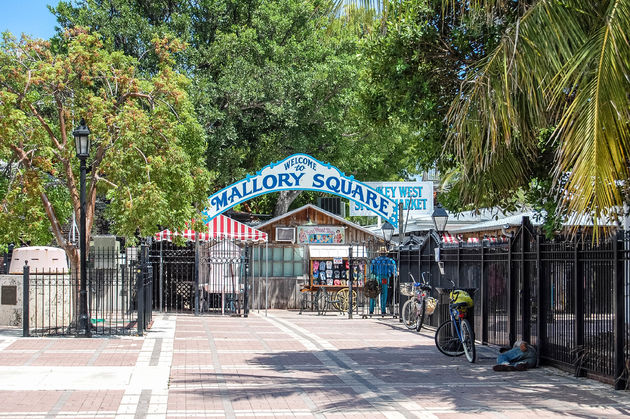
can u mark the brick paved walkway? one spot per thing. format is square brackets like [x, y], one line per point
[283, 365]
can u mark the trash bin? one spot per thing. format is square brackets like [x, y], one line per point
[444, 300]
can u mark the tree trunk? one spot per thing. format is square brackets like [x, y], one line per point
[75, 262]
[285, 199]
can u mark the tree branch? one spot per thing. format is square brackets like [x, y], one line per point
[135, 94]
[146, 162]
[46, 126]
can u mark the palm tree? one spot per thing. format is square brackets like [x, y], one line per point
[563, 65]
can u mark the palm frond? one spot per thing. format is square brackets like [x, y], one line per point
[564, 64]
[593, 132]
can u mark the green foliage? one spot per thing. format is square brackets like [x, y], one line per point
[270, 78]
[413, 71]
[147, 147]
[561, 64]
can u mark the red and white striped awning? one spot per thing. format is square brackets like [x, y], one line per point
[447, 238]
[220, 227]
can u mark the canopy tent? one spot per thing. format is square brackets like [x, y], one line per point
[447, 238]
[221, 227]
[219, 267]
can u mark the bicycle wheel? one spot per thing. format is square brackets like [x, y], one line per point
[447, 340]
[421, 308]
[342, 300]
[409, 314]
[468, 338]
[321, 300]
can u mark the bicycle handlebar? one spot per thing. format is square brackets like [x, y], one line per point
[424, 280]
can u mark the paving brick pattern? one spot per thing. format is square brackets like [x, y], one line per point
[283, 365]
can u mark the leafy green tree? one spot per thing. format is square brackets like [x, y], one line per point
[270, 78]
[147, 148]
[414, 67]
[560, 65]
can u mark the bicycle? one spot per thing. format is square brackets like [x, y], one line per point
[324, 300]
[415, 308]
[455, 337]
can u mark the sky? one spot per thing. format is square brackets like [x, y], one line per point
[27, 16]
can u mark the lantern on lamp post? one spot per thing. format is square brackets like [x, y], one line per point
[440, 218]
[388, 231]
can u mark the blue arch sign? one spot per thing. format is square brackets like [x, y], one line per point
[301, 172]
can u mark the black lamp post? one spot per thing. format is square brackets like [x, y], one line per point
[440, 218]
[82, 141]
[388, 231]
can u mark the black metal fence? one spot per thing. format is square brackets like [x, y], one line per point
[569, 297]
[119, 292]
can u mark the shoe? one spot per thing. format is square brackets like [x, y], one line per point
[502, 367]
[521, 367]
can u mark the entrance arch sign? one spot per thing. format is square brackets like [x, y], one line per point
[301, 172]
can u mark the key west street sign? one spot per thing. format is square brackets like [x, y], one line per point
[301, 172]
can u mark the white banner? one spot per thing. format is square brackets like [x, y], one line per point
[417, 197]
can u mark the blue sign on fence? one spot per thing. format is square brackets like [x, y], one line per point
[302, 172]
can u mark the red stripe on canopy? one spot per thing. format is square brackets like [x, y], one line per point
[447, 238]
[221, 227]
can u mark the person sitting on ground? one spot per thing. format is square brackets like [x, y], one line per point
[521, 357]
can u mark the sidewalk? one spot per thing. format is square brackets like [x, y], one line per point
[284, 365]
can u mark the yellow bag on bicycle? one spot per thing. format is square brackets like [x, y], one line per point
[460, 296]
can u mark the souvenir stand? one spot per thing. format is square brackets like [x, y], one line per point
[324, 240]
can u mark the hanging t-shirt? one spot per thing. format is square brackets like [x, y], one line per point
[382, 268]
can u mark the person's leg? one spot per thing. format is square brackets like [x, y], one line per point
[528, 360]
[383, 298]
[372, 304]
[510, 357]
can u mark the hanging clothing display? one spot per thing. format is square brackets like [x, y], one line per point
[383, 269]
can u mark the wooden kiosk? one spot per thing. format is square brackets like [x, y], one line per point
[325, 240]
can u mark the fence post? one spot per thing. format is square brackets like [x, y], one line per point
[484, 298]
[25, 300]
[511, 298]
[196, 274]
[161, 299]
[578, 301]
[525, 291]
[246, 283]
[541, 303]
[619, 309]
[459, 263]
[148, 294]
[351, 272]
[140, 292]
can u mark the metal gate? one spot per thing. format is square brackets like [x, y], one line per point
[204, 277]
[221, 277]
[173, 276]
